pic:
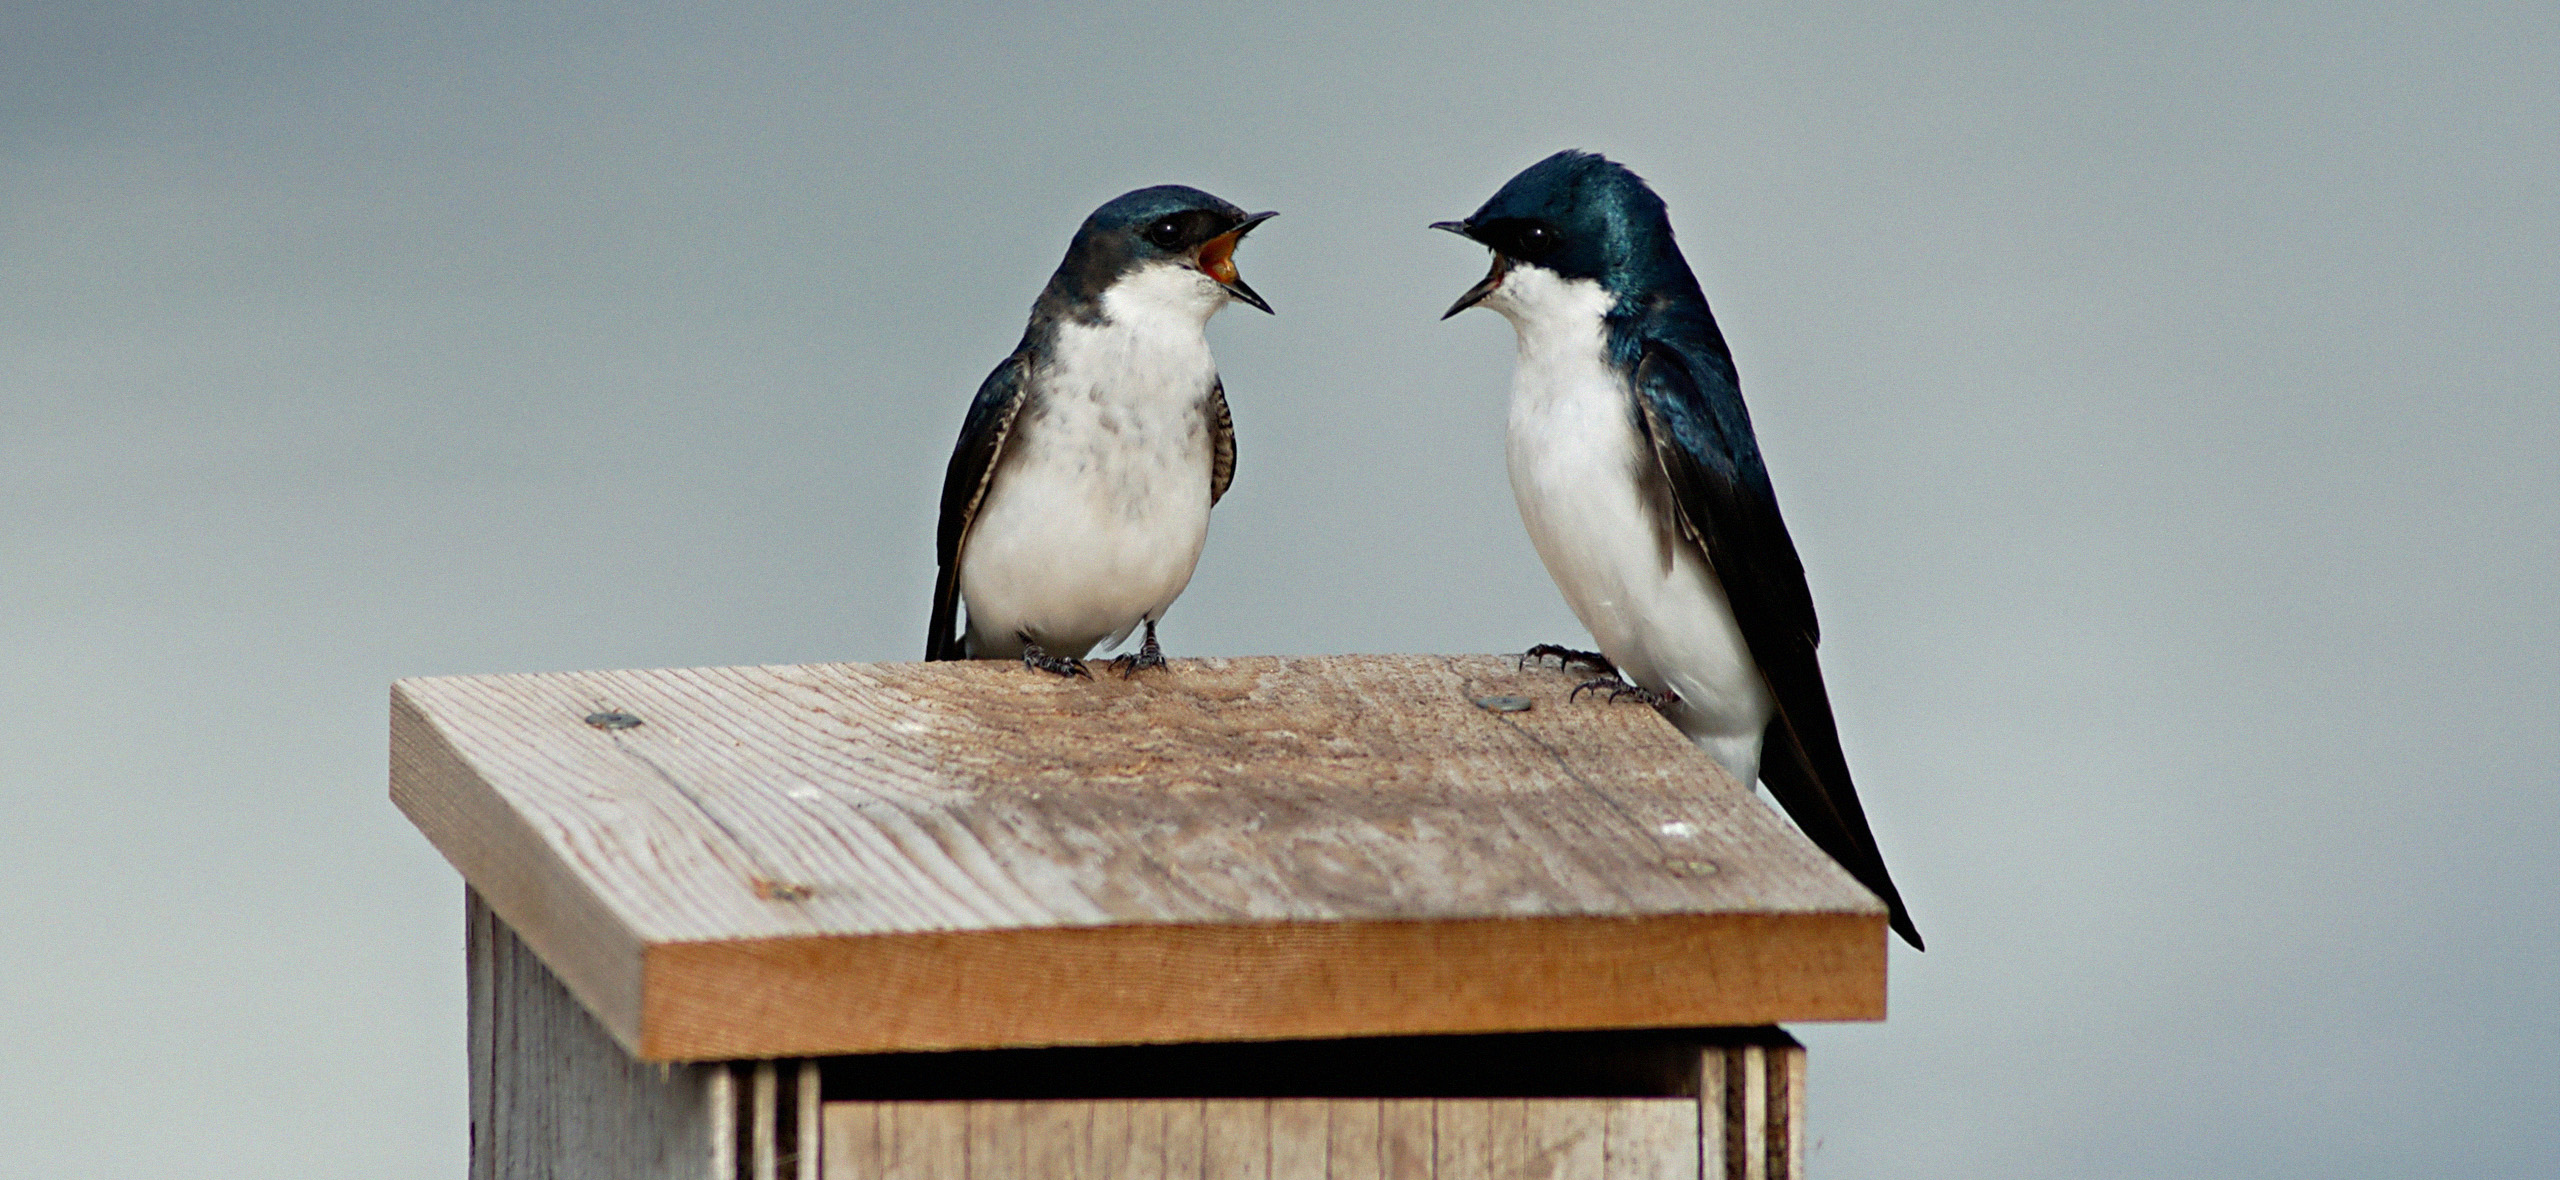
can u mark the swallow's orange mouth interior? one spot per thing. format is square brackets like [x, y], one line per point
[1218, 256]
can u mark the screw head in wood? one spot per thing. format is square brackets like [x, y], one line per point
[613, 720]
[1505, 704]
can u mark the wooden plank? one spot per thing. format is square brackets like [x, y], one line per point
[1714, 1161]
[998, 1147]
[525, 877]
[1786, 1112]
[1751, 1138]
[1150, 1142]
[1158, 984]
[1281, 1139]
[797, 861]
[1462, 1147]
[1507, 1154]
[924, 1140]
[1112, 1142]
[720, 1107]
[1563, 1138]
[1405, 1139]
[1300, 1133]
[1751, 1086]
[1355, 1139]
[1651, 1139]
[1057, 1138]
[764, 1141]
[853, 1147]
[807, 1111]
[480, 952]
[1186, 1139]
[553, 1095]
[1235, 1139]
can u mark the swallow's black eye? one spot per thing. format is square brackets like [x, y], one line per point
[1166, 234]
[1537, 241]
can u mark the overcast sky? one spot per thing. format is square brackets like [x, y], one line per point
[2163, 399]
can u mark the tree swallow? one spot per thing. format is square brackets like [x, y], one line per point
[1078, 497]
[1636, 471]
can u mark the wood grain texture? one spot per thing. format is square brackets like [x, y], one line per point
[808, 1104]
[794, 861]
[922, 1139]
[1407, 1139]
[1648, 1140]
[1691, 1123]
[1235, 1139]
[1712, 1158]
[1786, 1112]
[1565, 1135]
[1301, 1138]
[1285, 1139]
[720, 1096]
[1507, 1138]
[1462, 1140]
[1751, 1101]
[997, 1145]
[1747, 1123]
[1186, 1138]
[553, 1096]
[852, 1144]
[764, 1124]
[1355, 1137]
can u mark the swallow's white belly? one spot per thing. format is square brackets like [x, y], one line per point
[1593, 500]
[1100, 503]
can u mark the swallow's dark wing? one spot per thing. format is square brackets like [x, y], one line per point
[964, 487]
[1222, 443]
[1690, 409]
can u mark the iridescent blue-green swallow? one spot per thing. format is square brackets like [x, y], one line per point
[1636, 471]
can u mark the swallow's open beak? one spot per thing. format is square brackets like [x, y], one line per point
[1492, 279]
[1218, 261]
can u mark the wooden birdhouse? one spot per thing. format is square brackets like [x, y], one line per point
[1353, 916]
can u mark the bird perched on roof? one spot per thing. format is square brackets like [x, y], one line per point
[1078, 497]
[1642, 487]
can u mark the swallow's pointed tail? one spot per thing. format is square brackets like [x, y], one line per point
[1830, 815]
[939, 642]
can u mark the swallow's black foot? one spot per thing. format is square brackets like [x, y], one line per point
[1147, 656]
[1619, 689]
[1567, 657]
[1068, 666]
[1646, 696]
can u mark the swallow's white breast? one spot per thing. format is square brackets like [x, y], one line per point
[1593, 501]
[1100, 502]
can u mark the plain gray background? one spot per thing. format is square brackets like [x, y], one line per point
[2163, 398]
